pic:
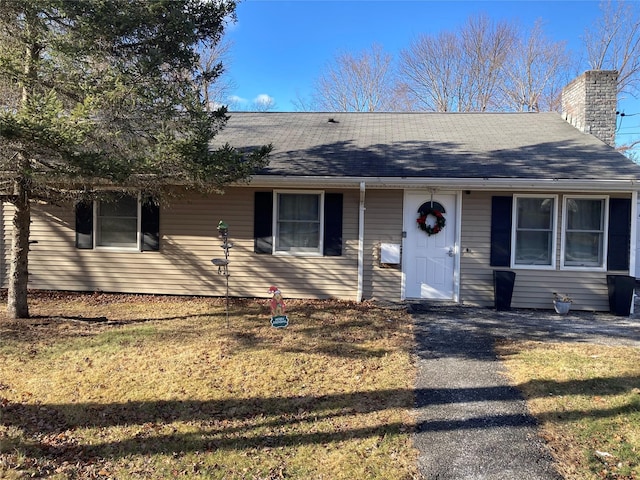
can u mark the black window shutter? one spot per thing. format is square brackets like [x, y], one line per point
[333, 224]
[263, 223]
[84, 225]
[150, 225]
[501, 211]
[619, 240]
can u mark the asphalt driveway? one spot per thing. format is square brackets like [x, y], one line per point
[471, 423]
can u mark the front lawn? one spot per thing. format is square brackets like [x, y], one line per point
[147, 387]
[117, 386]
[587, 401]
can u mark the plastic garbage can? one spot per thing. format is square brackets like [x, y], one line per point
[620, 288]
[503, 281]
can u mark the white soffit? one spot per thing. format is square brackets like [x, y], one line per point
[493, 184]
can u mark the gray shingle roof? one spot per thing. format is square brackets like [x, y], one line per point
[435, 145]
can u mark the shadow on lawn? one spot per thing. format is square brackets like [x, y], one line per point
[240, 424]
[47, 319]
[335, 338]
[270, 422]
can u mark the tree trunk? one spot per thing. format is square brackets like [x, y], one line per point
[17, 306]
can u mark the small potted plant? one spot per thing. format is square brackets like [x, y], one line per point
[561, 303]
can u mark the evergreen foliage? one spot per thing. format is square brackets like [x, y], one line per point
[107, 92]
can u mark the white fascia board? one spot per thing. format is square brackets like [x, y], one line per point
[493, 184]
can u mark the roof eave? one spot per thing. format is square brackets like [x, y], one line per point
[537, 184]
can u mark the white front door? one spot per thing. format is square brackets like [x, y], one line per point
[429, 261]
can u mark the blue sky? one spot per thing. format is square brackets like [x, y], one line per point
[280, 47]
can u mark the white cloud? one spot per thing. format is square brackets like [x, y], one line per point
[236, 100]
[263, 99]
[260, 103]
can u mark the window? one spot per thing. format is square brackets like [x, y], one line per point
[117, 222]
[596, 232]
[267, 239]
[584, 231]
[123, 222]
[534, 233]
[298, 222]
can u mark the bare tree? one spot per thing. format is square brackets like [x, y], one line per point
[403, 100]
[629, 150]
[459, 71]
[263, 103]
[535, 72]
[431, 72]
[613, 43]
[211, 80]
[485, 50]
[302, 103]
[360, 83]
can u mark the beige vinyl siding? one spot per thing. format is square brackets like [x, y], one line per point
[476, 277]
[5, 243]
[533, 288]
[189, 241]
[383, 224]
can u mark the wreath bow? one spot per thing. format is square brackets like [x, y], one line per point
[437, 227]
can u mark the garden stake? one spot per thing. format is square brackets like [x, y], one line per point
[223, 263]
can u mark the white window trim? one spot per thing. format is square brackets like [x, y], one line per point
[605, 233]
[554, 233]
[274, 225]
[137, 248]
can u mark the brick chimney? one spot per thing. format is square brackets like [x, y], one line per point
[589, 104]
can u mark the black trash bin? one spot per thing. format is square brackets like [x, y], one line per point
[621, 288]
[503, 281]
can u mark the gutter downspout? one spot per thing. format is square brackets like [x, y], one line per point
[634, 245]
[634, 235]
[361, 243]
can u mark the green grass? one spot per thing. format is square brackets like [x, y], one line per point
[155, 387]
[587, 399]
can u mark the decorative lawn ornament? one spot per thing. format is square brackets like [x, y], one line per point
[223, 263]
[278, 318]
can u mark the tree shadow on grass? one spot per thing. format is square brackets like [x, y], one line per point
[261, 422]
[343, 350]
